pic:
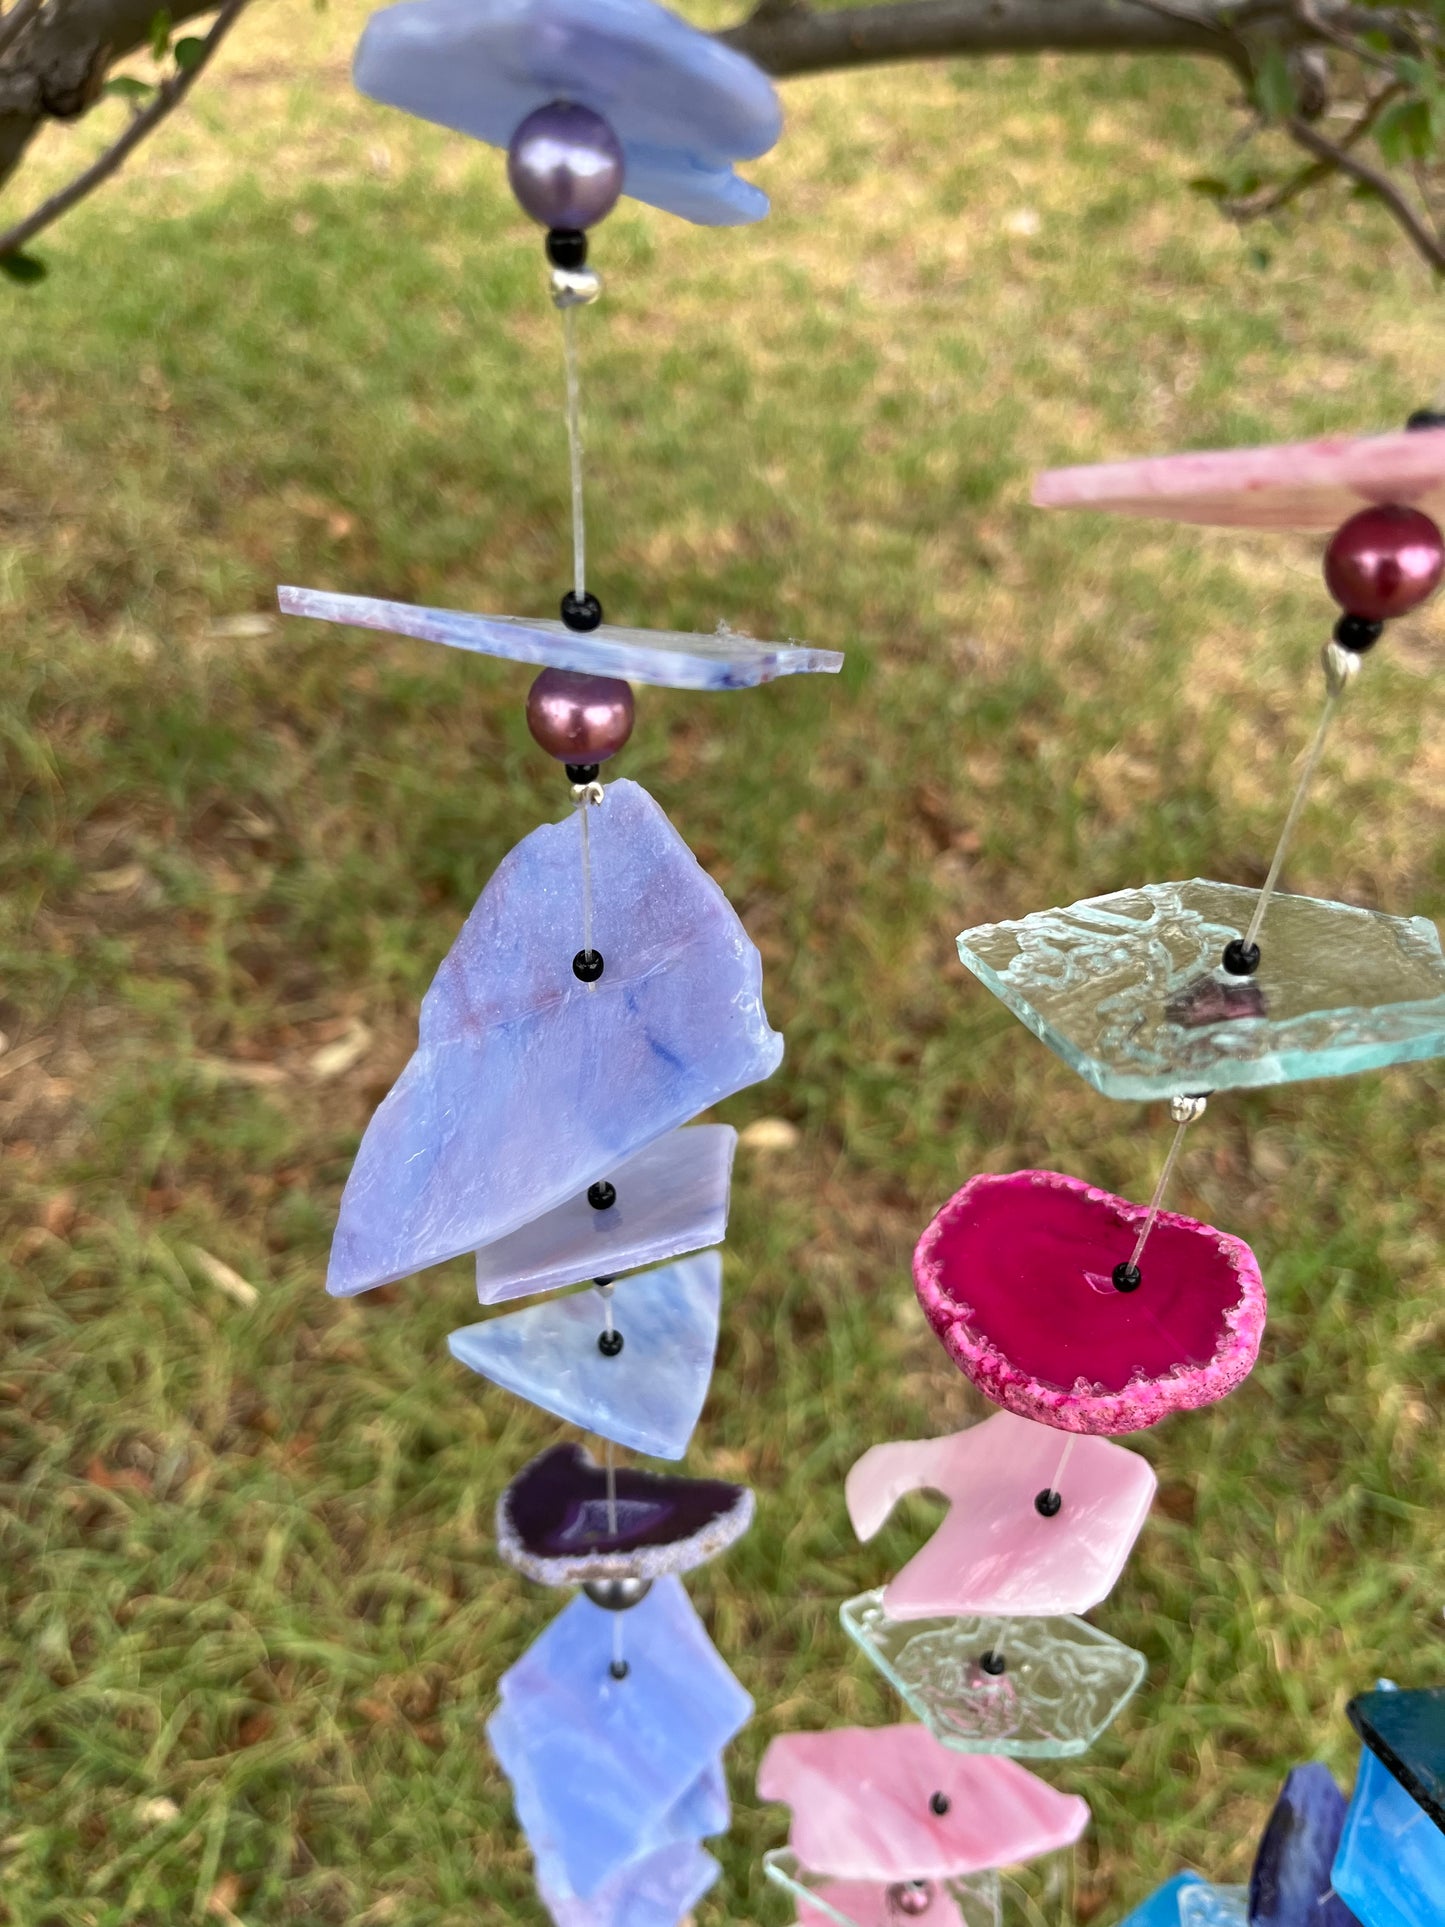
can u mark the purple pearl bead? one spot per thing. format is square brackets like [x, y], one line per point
[910, 1898]
[565, 165]
[579, 719]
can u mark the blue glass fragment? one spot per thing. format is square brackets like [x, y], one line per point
[1390, 1869]
[1161, 1909]
[1407, 1731]
[1290, 1884]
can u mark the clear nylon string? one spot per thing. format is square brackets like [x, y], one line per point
[574, 450]
[1057, 1484]
[583, 807]
[1327, 716]
[1159, 1190]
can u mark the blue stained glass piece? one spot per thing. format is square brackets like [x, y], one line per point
[598, 1765]
[1209, 1906]
[1290, 1884]
[648, 1396]
[527, 1085]
[1407, 1731]
[1390, 1869]
[1161, 1909]
[683, 105]
[664, 658]
[670, 1198]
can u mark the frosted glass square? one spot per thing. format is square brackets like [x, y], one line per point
[1065, 1681]
[823, 1901]
[1129, 991]
[1208, 1906]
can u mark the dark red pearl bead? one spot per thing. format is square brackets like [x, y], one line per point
[1384, 562]
[579, 719]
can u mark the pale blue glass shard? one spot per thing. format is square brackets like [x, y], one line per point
[647, 1396]
[824, 1901]
[1210, 1906]
[598, 1764]
[1129, 990]
[659, 1890]
[1161, 1909]
[670, 1198]
[665, 658]
[1064, 1682]
[527, 1085]
[1390, 1869]
[683, 106]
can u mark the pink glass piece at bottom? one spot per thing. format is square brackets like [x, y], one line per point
[995, 1552]
[1293, 485]
[866, 1904]
[862, 1805]
[1015, 1277]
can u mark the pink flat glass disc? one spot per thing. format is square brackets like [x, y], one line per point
[1295, 485]
[863, 1803]
[1015, 1276]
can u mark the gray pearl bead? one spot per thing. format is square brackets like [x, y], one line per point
[565, 166]
[617, 1595]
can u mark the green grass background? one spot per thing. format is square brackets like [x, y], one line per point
[251, 1616]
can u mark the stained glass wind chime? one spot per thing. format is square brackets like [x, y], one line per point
[603, 993]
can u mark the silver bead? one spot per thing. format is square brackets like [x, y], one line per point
[575, 287]
[1187, 1110]
[1341, 666]
[617, 1595]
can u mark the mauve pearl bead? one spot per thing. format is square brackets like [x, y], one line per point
[579, 719]
[911, 1897]
[565, 165]
[1384, 562]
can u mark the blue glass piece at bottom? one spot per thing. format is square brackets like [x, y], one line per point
[1205, 1905]
[1390, 1869]
[1406, 1729]
[1161, 1909]
[657, 1891]
[1290, 1884]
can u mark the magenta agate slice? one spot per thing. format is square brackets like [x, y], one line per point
[1015, 1275]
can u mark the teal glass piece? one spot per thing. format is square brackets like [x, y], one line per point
[1064, 1682]
[1205, 1905]
[1129, 991]
[649, 1392]
[1161, 1909]
[823, 1901]
[1390, 1869]
[1407, 1731]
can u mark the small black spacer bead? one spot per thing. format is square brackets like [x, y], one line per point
[1426, 418]
[567, 247]
[992, 1663]
[619, 1669]
[609, 1343]
[1127, 1277]
[1358, 633]
[582, 615]
[939, 1803]
[1240, 960]
[602, 1195]
[1048, 1503]
[587, 966]
[583, 772]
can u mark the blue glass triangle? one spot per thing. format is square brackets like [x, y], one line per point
[649, 1394]
[1407, 1731]
[670, 1198]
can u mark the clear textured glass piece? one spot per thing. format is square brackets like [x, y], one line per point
[996, 1552]
[599, 1765]
[1290, 1883]
[1128, 989]
[1407, 1731]
[670, 1198]
[648, 1396]
[1161, 1909]
[1390, 1869]
[527, 1085]
[1204, 1905]
[1064, 1682]
[891, 1803]
[683, 106]
[826, 1902]
[666, 658]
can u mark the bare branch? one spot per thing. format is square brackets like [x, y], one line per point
[169, 95]
[1268, 201]
[1341, 161]
[14, 23]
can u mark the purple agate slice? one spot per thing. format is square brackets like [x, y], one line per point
[1290, 1885]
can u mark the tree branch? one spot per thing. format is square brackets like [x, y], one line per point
[14, 23]
[1341, 161]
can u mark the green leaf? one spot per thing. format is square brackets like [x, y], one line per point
[1405, 131]
[127, 87]
[1274, 90]
[189, 53]
[1211, 187]
[25, 268]
[161, 34]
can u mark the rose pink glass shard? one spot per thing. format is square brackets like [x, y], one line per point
[996, 1552]
[1296, 485]
[866, 1805]
[1015, 1275]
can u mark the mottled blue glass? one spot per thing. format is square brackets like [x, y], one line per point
[1407, 1731]
[1390, 1869]
[1161, 1909]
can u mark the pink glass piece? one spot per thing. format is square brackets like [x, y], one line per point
[1015, 1276]
[995, 1552]
[867, 1903]
[1296, 485]
[864, 1803]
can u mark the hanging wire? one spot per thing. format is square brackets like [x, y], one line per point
[1184, 1111]
[1336, 689]
[574, 450]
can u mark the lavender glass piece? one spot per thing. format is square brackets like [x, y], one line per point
[647, 1396]
[670, 1198]
[1290, 1884]
[1161, 1909]
[824, 1902]
[527, 1085]
[598, 1764]
[555, 1522]
[666, 658]
[1406, 1730]
[1390, 1869]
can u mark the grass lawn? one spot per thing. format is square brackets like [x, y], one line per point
[252, 1618]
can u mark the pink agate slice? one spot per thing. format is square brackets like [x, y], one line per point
[862, 1801]
[995, 1553]
[1296, 485]
[1015, 1276]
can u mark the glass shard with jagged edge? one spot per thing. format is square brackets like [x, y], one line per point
[1407, 1731]
[1129, 990]
[670, 1198]
[1205, 1905]
[1161, 1909]
[1064, 1682]
[1390, 1869]
[823, 1901]
[666, 658]
[646, 1395]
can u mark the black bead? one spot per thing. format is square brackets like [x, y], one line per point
[587, 966]
[1426, 418]
[582, 772]
[1358, 633]
[602, 1195]
[939, 1804]
[1240, 959]
[567, 247]
[1048, 1503]
[619, 1669]
[993, 1663]
[1127, 1277]
[609, 1343]
[581, 615]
